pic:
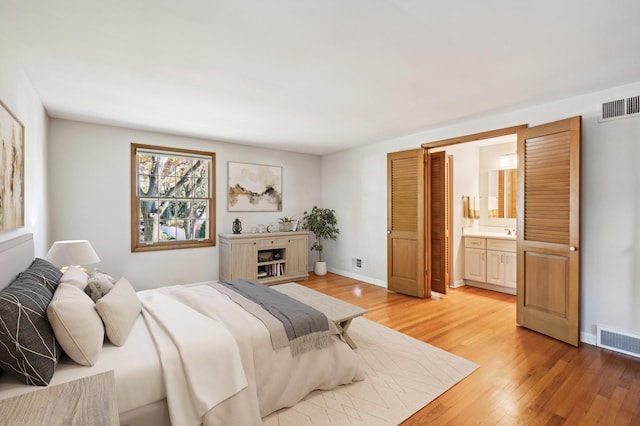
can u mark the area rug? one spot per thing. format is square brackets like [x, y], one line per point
[402, 376]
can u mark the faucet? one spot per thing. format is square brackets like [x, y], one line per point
[510, 231]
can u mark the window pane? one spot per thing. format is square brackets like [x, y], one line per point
[148, 231]
[180, 191]
[166, 185]
[143, 185]
[144, 164]
[201, 188]
[147, 208]
[198, 210]
[167, 232]
[167, 210]
[201, 229]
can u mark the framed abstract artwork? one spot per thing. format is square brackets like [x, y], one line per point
[11, 171]
[254, 188]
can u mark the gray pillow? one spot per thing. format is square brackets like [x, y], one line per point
[98, 285]
[28, 347]
[43, 272]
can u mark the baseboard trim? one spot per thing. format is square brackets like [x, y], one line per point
[588, 338]
[457, 284]
[358, 277]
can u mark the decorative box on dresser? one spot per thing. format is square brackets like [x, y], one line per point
[269, 258]
[490, 262]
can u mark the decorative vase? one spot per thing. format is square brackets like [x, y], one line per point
[320, 268]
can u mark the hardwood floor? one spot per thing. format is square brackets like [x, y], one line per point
[524, 377]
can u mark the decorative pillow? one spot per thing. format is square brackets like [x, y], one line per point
[28, 347]
[42, 272]
[76, 324]
[119, 310]
[76, 277]
[98, 285]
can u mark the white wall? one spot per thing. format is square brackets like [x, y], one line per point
[18, 95]
[610, 228]
[89, 183]
[466, 178]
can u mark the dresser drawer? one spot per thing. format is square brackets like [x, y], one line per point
[501, 245]
[474, 242]
[266, 243]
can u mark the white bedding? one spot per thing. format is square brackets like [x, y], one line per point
[200, 358]
[136, 366]
[275, 379]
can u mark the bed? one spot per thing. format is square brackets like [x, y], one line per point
[219, 382]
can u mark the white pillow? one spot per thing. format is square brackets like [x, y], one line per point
[76, 277]
[119, 309]
[76, 324]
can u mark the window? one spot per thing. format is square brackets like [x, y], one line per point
[172, 198]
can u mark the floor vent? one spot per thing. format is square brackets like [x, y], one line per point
[620, 108]
[618, 341]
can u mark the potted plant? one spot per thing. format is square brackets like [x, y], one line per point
[323, 224]
[288, 223]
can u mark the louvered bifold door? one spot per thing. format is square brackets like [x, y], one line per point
[549, 229]
[405, 222]
[436, 222]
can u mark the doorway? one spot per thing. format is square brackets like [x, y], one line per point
[484, 175]
[548, 223]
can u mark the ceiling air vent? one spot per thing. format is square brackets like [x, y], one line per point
[620, 108]
[633, 105]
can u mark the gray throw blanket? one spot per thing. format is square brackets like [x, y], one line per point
[306, 327]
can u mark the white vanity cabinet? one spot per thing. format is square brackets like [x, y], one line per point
[475, 259]
[501, 262]
[491, 263]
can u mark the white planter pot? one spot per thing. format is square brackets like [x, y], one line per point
[320, 268]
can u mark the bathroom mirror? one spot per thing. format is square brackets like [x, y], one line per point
[501, 200]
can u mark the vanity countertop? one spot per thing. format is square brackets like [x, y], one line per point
[496, 235]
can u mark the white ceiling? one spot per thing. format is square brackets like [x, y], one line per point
[314, 76]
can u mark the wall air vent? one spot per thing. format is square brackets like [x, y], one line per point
[620, 108]
[618, 341]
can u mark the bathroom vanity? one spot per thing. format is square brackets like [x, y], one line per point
[490, 261]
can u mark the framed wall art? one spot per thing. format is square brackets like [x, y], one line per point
[11, 171]
[254, 187]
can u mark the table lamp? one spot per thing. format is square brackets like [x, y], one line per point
[63, 254]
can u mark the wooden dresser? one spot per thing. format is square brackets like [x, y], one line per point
[269, 258]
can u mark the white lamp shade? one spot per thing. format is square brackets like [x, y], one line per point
[72, 253]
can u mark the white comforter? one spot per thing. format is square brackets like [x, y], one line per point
[218, 363]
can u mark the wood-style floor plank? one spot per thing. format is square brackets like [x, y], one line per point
[524, 377]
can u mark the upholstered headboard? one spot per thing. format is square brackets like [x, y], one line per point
[15, 256]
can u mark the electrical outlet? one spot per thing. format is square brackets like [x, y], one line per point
[358, 263]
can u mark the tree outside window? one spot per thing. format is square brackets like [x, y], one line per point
[172, 198]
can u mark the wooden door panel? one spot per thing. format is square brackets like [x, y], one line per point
[405, 223]
[403, 266]
[545, 292]
[436, 221]
[549, 229]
